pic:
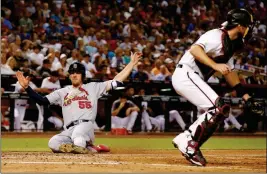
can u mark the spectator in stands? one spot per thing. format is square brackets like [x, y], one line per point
[126, 43]
[6, 21]
[124, 113]
[163, 74]
[89, 35]
[90, 67]
[25, 67]
[21, 105]
[102, 74]
[51, 84]
[25, 49]
[117, 60]
[36, 57]
[60, 66]
[99, 39]
[156, 70]
[45, 69]
[140, 74]
[255, 78]
[66, 28]
[26, 21]
[46, 11]
[213, 79]
[126, 57]
[52, 30]
[113, 72]
[10, 66]
[73, 58]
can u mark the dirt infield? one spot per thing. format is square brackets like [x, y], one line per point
[133, 160]
[122, 160]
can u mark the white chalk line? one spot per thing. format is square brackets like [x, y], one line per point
[133, 155]
[119, 163]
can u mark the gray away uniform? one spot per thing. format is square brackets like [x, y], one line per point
[77, 105]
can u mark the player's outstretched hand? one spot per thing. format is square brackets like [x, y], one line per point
[136, 57]
[24, 82]
[222, 68]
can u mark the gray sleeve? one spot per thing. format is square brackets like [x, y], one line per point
[98, 88]
[54, 97]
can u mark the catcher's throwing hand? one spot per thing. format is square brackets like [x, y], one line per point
[222, 68]
[24, 82]
[136, 57]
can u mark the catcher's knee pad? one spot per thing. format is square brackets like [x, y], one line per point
[223, 105]
[79, 141]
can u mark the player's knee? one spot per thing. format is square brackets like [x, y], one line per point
[223, 105]
[173, 112]
[134, 113]
[144, 113]
[54, 144]
[79, 141]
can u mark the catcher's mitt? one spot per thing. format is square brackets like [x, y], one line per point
[255, 106]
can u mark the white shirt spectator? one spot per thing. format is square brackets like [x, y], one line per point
[124, 45]
[160, 77]
[58, 3]
[126, 30]
[196, 11]
[46, 13]
[103, 56]
[37, 58]
[88, 39]
[159, 47]
[262, 28]
[5, 69]
[32, 9]
[46, 83]
[101, 42]
[89, 66]
[140, 47]
[18, 87]
[213, 79]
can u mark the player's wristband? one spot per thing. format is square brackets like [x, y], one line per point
[115, 84]
[240, 91]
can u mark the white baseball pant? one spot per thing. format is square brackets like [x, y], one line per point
[189, 85]
[232, 118]
[78, 135]
[147, 122]
[175, 115]
[126, 122]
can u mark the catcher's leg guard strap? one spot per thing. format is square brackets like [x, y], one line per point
[204, 129]
[223, 106]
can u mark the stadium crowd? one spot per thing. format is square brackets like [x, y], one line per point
[41, 37]
[48, 35]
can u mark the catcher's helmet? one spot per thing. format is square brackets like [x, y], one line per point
[240, 17]
[77, 68]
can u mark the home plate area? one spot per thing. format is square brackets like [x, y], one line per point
[133, 160]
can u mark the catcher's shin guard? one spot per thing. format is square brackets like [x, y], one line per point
[208, 122]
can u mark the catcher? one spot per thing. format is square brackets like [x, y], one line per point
[211, 53]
